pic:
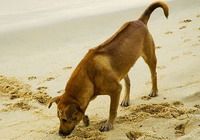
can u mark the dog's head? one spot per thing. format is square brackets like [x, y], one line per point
[69, 115]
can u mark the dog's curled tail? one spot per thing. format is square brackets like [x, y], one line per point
[145, 16]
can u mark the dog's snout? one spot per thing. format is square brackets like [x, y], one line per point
[62, 133]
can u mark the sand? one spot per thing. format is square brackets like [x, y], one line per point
[21, 93]
[40, 51]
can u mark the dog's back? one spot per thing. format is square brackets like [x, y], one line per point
[124, 48]
[127, 44]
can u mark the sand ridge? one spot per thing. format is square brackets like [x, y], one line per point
[16, 90]
[10, 87]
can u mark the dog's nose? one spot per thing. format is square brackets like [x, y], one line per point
[62, 133]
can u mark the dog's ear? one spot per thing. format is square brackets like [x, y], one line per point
[55, 99]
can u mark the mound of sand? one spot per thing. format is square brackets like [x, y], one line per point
[15, 89]
[138, 114]
[41, 95]
[89, 133]
[134, 135]
[180, 129]
[163, 110]
[15, 106]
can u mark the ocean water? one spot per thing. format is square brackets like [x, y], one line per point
[23, 6]
[36, 31]
[21, 13]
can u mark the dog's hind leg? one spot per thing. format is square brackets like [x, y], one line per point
[126, 99]
[150, 58]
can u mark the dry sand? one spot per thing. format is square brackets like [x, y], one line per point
[37, 61]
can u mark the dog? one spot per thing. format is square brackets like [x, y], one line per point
[102, 69]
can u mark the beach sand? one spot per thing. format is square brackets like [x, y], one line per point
[38, 57]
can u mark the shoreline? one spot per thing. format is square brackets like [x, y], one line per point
[61, 14]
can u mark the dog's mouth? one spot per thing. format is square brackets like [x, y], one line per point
[65, 133]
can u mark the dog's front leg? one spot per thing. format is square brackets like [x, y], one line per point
[114, 97]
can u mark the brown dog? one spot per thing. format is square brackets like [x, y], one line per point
[102, 69]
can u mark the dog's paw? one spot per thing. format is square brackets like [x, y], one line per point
[106, 126]
[86, 120]
[124, 103]
[153, 94]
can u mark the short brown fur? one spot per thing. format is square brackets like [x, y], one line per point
[102, 69]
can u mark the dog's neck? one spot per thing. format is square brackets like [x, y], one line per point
[71, 99]
[80, 87]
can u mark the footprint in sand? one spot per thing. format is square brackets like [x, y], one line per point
[186, 40]
[195, 45]
[168, 32]
[42, 88]
[180, 129]
[195, 97]
[161, 67]
[67, 68]
[50, 79]
[182, 27]
[197, 106]
[47, 79]
[60, 91]
[174, 57]
[187, 53]
[158, 47]
[186, 21]
[133, 135]
[30, 78]
[21, 105]
[148, 83]
[198, 16]
[146, 98]
[178, 103]
[42, 96]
